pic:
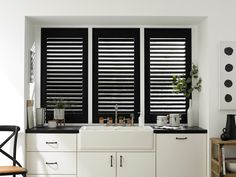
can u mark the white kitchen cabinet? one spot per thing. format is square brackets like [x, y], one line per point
[135, 164]
[51, 155]
[181, 155]
[96, 164]
[116, 164]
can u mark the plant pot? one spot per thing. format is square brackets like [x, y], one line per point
[59, 114]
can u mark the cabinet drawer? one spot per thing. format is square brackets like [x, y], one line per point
[51, 163]
[180, 140]
[51, 142]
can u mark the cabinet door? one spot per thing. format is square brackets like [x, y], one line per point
[136, 164]
[96, 164]
[181, 155]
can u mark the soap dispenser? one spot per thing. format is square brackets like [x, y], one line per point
[141, 120]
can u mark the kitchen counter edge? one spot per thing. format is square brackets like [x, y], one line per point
[75, 129]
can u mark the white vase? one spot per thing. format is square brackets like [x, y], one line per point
[59, 114]
[190, 114]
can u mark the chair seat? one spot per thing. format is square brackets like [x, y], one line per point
[12, 170]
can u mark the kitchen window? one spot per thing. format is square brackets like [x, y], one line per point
[115, 58]
[116, 72]
[64, 72]
[167, 53]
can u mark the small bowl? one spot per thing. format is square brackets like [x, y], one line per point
[52, 124]
[231, 165]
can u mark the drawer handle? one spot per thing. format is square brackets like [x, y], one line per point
[111, 161]
[121, 159]
[51, 142]
[181, 138]
[51, 163]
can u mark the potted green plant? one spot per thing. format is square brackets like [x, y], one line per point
[187, 86]
[59, 109]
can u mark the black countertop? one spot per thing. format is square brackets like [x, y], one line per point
[75, 129]
[62, 129]
[181, 129]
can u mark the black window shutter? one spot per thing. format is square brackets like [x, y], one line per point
[167, 53]
[116, 72]
[64, 71]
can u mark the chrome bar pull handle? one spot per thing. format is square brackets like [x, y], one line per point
[51, 163]
[121, 161]
[184, 138]
[111, 161]
[51, 142]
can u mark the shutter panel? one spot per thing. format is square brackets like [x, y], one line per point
[65, 72]
[115, 80]
[167, 54]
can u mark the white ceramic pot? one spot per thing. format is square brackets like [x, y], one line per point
[59, 114]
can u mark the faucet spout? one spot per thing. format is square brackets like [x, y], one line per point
[116, 112]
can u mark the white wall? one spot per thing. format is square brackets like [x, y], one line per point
[12, 69]
[219, 26]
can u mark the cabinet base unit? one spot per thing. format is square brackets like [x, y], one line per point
[116, 164]
[181, 155]
[51, 155]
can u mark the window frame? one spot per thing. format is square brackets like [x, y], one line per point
[90, 82]
[116, 32]
[65, 32]
[162, 33]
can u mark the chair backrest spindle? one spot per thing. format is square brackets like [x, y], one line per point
[14, 130]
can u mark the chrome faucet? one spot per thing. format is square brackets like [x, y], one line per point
[116, 112]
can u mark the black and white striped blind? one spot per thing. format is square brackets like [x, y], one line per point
[116, 65]
[64, 71]
[168, 53]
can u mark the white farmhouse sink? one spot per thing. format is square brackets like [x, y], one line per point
[115, 128]
[115, 138]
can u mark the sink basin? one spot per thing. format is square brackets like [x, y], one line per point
[115, 138]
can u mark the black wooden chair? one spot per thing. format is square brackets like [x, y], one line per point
[16, 168]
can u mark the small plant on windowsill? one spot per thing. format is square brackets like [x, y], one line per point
[59, 109]
[187, 86]
[59, 103]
